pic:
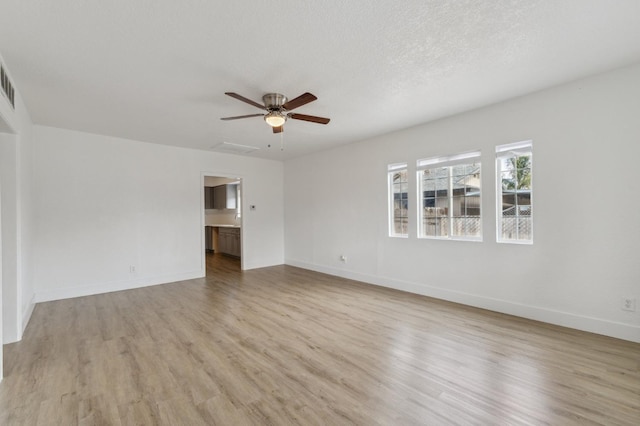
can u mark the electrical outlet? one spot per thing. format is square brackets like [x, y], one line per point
[629, 304]
[132, 269]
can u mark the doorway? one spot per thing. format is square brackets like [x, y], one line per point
[222, 219]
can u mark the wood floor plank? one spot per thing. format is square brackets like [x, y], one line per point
[98, 410]
[283, 345]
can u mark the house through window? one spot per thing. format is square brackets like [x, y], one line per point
[449, 193]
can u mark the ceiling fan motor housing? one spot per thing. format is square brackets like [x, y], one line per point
[274, 101]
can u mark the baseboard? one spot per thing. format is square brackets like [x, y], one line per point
[26, 313]
[565, 319]
[90, 290]
[256, 265]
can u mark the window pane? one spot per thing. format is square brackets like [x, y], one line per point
[429, 202]
[400, 176]
[508, 204]
[442, 227]
[508, 180]
[442, 188]
[507, 163]
[474, 226]
[442, 172]
[473, 205]
[524, 198]
[400, 225]
[434, 226]
[524, 178]
[509, 228]
[458, 170]
[466, 226]
[457, 206]
[519, 170]
[524, 228]
[429, 185]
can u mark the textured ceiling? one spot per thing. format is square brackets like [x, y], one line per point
[157, 70]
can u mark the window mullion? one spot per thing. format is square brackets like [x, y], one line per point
[450, 199]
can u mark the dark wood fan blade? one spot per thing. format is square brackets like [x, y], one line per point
[303, 99]
[241, 116]
[278, 129]
[311, 118]
[243, 99]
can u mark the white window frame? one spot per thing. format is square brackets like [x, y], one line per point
[471, 157]
[391, 169]
[507, 151]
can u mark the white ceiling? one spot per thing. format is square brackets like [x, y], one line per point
[157, 70]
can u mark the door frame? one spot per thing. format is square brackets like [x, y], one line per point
[225, 175]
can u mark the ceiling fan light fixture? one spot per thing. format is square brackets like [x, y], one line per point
[275, 119]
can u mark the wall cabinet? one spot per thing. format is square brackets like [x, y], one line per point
[220, 197]
[229, 241]
[208, 197]
[224, 197]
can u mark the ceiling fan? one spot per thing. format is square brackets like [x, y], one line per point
[278, 107]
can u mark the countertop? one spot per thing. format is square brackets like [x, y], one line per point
[219, 225]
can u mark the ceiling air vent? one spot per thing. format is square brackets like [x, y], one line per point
[234, 148]
[7, 87]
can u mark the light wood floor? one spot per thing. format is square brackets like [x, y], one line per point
[283, 346]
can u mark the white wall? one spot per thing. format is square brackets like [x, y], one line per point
[11, 296]
[586, 138]
[15, 168]
[1, 283]
[18, 301]
[103, 204]
[25, 220]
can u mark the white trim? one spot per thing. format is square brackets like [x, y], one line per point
[456, 238]
[521, 242]
[396, 166]
[446, 160]
[515, 147]
[565, 319]
[248, 266]
[101, 288]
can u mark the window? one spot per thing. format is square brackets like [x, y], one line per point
[398, 200]
[449, 190]
[513, 173]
